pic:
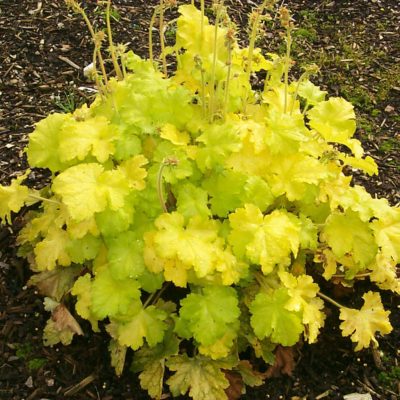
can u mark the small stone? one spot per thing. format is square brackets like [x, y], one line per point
[389, 109]
[29, 382]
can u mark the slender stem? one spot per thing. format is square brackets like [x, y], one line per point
[228, 75]
[203, 92]
[149, 299]
[202, 23]
[94, 38]
[364, 275]
[161, 291]
[301, 79]
[287, 62]
[253, 37]
[328, 299]
[160, 187]
[152, 22]
[162, 41]
[40, 198]
[214, 67]
[306, 107]
[111, 43]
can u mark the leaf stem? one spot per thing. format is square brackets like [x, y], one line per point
[160, 187]
[214, 65]
[162, 40]
[330, 300]
[111, 43]
[40, 198]
[151, 26]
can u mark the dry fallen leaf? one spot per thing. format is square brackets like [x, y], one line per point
[234, 390]
[64, 320]
[284, 362]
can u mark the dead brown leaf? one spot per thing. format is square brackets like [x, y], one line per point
[64, 320]
[284, 362]
[235, 388]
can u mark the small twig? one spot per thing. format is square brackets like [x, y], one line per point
[81, 385]
[69, 62]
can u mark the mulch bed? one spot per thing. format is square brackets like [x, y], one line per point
[43, 50]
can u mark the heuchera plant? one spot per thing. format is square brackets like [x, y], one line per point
[194, 216]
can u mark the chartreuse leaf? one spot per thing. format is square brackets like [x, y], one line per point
[384, 273]
[266, 240]
[387, 233]
[219, 141]
[313, 94]
[201, 377]
[86, 189]
[303, 291]
[139, 324]
[313, 318]
[134, 171]
[207, 316]
[112, 297]
[271, 318]
[112, 222]
[82, 289]
[43, 148]
[52, 250]
[334, 119]
[192, 201]
[363, 324]
[258, 192]
[290, 175]
[195, 246]
[78, 139]
[226, 190]
[12, 198]
[346, 233]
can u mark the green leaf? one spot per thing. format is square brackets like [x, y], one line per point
[112, 297]
[208, 315]
[271, 318]
[112, 222]
[86, 248]
[192, 201]
[125, 255]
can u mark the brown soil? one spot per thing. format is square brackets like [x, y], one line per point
[43, 48]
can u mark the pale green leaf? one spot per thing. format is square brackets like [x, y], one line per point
[271, 318]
